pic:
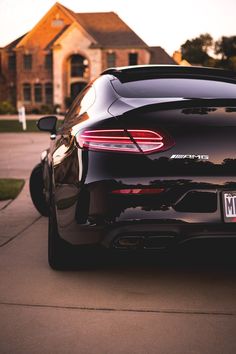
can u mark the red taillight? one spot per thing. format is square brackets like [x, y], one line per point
[108, 140]
[132, 140]
[147, 140]
[137, 191]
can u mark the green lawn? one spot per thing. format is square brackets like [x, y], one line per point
[10, 188]
[7, 126]
[14, 126]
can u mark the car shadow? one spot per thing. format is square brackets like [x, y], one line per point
[219, 255]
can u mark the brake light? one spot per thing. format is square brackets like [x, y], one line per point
[109, 140]
[131, 141]
[137, 191]
[147, 140]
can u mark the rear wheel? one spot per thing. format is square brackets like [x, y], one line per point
[37, 190]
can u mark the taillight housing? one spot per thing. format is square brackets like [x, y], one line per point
[130, 141]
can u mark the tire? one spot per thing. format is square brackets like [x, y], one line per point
[37, 190]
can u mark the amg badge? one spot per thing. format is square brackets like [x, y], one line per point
[193, 157]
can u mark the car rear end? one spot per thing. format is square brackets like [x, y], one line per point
[184, 189]
[161, 174]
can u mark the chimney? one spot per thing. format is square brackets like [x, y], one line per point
[177, 56]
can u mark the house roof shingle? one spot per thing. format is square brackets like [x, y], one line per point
[109, 30]
[106, 28]
[159, 56]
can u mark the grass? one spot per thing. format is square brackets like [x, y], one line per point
[14, 126]
[10, 188]
[7, 126]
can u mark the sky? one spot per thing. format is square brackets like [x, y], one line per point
[166, 23]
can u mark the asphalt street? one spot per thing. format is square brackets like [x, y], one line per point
[127, 305]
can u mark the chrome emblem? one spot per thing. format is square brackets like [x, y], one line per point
[190, 156]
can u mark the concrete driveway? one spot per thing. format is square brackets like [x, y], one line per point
[128, 306]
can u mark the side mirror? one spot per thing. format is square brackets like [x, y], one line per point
[47, 124]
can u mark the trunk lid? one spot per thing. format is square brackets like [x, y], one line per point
[204, 135]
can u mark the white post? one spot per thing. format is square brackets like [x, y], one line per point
[19, 115]
[22, 117]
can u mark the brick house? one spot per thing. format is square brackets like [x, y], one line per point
[50, 64]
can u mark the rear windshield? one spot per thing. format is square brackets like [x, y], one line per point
[176, 87]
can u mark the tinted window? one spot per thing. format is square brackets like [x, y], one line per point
[176, 87]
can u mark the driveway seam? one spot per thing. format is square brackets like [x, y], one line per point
[110, 309]
[20, 232]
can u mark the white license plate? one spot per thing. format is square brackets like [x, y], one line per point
[229, 206]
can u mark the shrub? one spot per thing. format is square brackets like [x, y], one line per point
[6, 107]
[35, 111]
[46, 109]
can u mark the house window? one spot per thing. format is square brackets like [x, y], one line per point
[27, 92]
[12, 93]
[78, 65]
[12, 62]
[111, 60]
[48, 93]
[133, 58]
[38, 93]
[48, 62]
[27, 59]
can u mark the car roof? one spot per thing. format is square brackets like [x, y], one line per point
[138, 72]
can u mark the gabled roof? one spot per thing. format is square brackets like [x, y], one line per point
[109, 30]
[58, 35]
[12, 45]
[106, 30]
[159, 56]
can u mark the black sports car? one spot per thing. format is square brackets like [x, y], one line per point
[145, 159]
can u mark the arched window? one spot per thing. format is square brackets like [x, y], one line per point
[78, 65]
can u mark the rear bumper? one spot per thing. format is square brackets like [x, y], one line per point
[149, 236]
[189, 208]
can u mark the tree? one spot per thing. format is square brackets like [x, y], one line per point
[226, 46]
[196, 49]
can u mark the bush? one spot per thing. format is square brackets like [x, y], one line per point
[46, 109]
[35, 111]
[6, 107]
